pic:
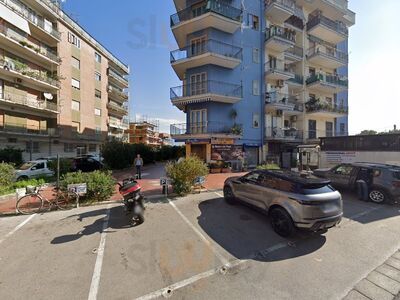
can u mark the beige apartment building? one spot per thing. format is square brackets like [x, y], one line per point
[61, 91]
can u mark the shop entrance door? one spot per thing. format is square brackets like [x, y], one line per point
[200, 151]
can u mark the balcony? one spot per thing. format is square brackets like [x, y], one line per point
[320, 109]
[279, 10]
[327, 57]
[118, 124]
[280, 101]
[20, 72]
[283, 134]
[212, 13]
[116, 109]
[117, 78]
[210, 52]
[31, 48]
[208, 129]
[29, 102]
[327, 83]
[117, 94]
[294, 54]
[276, 70]
[279, 39]
[23, 129]
[296, 83]
[315, 135]
[206, 91]
[326, 29]
[39, 27]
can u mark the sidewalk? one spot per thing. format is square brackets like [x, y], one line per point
[381, 284]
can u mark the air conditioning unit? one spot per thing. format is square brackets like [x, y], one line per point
[293, 118]
[280, 83]
[279, 113]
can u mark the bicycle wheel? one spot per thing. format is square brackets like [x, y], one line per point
[66, 201]
[29, 204]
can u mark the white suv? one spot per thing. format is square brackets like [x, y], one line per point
[33, 169]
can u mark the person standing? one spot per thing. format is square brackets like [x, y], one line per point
[138, 165]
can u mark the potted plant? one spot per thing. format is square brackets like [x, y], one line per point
[216, 167]
[226, 168]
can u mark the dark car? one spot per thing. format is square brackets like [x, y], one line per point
[292, 200]
[382, 180]
[86, 164]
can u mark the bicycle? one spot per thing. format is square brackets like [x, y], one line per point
[34, 202]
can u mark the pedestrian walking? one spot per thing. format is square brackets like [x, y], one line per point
[138, 165]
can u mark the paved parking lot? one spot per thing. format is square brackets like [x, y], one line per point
[195, 247]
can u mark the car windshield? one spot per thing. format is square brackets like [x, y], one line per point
[27, 166]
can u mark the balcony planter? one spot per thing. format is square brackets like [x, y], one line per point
[237, 129]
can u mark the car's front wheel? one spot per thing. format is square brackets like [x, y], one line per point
[228, 195]
[378, 196]
[282, 222]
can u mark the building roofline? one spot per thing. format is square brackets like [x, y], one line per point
[55, 8]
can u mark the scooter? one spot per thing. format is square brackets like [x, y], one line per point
[133, 199]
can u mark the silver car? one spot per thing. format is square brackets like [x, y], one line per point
[291, 200]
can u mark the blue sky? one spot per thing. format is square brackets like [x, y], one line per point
[138, 33]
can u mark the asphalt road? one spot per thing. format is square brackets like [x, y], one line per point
[196, 247]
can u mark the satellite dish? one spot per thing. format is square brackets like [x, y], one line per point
[48, 96]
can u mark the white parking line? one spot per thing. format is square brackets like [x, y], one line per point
[17, 228]
[167, 291]
[218, 194]
[94, 286]
[223, 260]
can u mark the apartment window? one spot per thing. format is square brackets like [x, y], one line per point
[32, 147]
[76, 126]
[76, 84]
[97, 112]
[256, 87]
[198, 121]
[256, 55]
[312, 129]
[256, 120]
[76, 63]
[254, 22]
[74, 40]
[97, 94]
[98, 130]
[76, 105]
[328, 129]
[97, 76]
[92, 148]
[97, 57]
[68, 148]
[342, 128]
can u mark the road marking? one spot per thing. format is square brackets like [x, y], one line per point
[167, 291]
[220, 195]
[94, 286]
[208, 243]
[17, 228]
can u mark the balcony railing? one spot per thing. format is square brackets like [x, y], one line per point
[27, 14]
[213, 6]
[117, 107]
[333, 25]
[280, 32]
[209, 46]
[25, 70]
[315, 134]
[206, 87]
[297, 79]
[283, 133]
[290, 4]
[276, 65]
[296, 51]
[117, 92]
[209, 127]
[35, 45]
[284, 99]
[315, 106]
[30, 102]
[117, 76]
[330, 52]
[27, 129]
[329, 79]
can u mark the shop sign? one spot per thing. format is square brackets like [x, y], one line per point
[217, 141]
[227, 152]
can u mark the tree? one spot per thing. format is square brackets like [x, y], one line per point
[368, 132]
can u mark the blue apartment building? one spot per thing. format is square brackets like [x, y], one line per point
[259, 77]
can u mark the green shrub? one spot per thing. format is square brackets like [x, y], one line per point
[8, 189]
[184, 173]
[11, 155]
[7, 174]
[268, 167]
[65, 166]
[100, 185]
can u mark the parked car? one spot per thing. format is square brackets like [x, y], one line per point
[94, 156]
[86, 164]
[291, 200]
[33, 169]
[383, 180]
